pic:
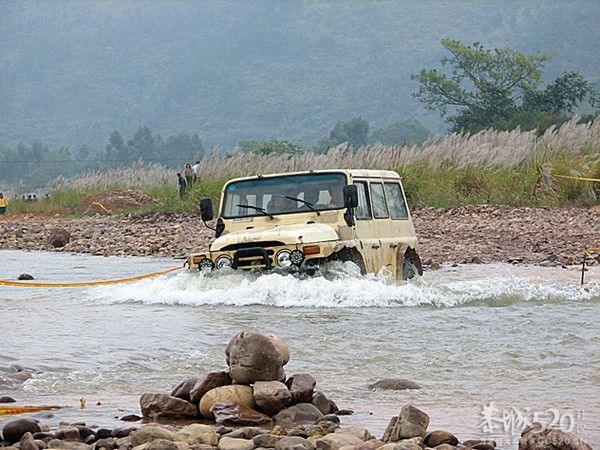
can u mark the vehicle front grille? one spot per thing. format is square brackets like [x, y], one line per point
[253, 258]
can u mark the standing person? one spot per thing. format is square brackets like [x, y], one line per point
[3, 203]
[188, 173]
[182, 185]
[196, 169]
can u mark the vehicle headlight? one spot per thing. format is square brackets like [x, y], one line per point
[206, 264]
[223, 261]
[283, 258]
[296, 257]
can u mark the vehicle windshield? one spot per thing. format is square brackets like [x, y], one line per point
[284, 195]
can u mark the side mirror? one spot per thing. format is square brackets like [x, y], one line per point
[206, 209]
[350, 196]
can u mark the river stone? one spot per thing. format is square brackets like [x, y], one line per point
[165, 444]
[412, 422]
[211, 381]
[357, 430]
[271, 396]
[294, 442]
[540, 437]
[232, 414]
[150, 433]
[228, 443]
[27, 442]
[298, 414]
[397, 384]
[182, 391]
[301, 386]
[234, 393]
[323, 428]
[59, 237]
[266, 440]
[321, 402]
[197, 433]
[281, 347]
[252, 357]
[13, 431]
[437, 437]
[104, 443]
[337, 440]
[157, 406]
[68, 433]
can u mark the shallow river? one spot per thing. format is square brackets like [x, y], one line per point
[492, 346]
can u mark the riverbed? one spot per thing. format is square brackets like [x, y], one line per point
[493, 346]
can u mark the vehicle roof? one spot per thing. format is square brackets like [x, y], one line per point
[354, 173]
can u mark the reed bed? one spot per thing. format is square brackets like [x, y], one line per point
[502, 167]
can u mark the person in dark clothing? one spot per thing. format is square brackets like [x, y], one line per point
[182, 185]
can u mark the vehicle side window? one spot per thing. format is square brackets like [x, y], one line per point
[396, 201]
[363, 210]
[380, 210]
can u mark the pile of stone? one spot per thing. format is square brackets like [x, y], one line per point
[255, 406]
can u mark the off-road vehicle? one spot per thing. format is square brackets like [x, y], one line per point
[300, 220]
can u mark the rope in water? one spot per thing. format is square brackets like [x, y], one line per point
[5, 410]
[86, 283]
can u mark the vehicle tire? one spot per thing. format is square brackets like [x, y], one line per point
[352, 255]
[412, 264]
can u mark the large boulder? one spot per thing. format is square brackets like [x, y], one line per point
[14, 430]
[302, 387]
[411, 423]
[183, 390]
[541, 437]
[156, 406]
[271, 396]
[210, 381]
[59, 237]
[234, 393]
[252, 356]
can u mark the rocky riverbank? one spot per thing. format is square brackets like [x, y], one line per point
[466, 234]
[254, 405]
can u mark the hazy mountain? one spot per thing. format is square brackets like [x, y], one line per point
[71, 72]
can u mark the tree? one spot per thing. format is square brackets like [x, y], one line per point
[488, 88]
[272, 147]
[401, 133]
[354, 132]
[142, 144]
[116, 151]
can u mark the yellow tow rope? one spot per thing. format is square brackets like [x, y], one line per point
[576, 178]
[6, 410]
[86, 283]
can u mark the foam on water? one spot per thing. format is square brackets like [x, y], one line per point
[341, 286]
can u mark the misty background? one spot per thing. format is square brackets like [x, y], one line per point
[72, 72]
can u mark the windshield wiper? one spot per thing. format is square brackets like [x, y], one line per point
[256, 208]
[309, 205]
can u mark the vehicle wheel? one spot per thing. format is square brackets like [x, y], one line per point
[352, 255]
[412, 264]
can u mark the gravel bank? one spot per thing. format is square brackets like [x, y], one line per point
[466, 234]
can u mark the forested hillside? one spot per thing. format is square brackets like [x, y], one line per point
[73, 72]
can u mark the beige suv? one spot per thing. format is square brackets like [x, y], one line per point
[299, 220]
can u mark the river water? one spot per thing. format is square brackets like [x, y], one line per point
[492, 346]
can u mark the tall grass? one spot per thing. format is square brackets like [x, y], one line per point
[500, 167]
